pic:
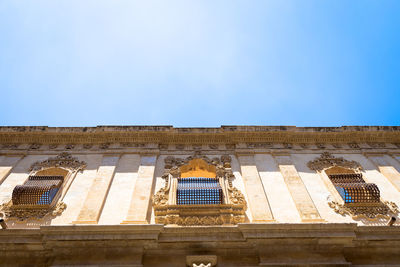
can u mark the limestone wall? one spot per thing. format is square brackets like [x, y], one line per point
[119, 180]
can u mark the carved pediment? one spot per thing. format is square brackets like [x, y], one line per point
[63, 160]
[327, 160]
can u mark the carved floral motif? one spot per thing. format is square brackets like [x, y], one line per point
[327, 160]
[370, 212]
[63, 160]
[21, 213]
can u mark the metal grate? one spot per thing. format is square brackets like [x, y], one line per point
[198, 191]
[353, 189]
[37, 190]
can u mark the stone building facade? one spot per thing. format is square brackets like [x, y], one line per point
[228, 196]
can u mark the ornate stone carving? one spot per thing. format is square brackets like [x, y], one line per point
[23, 213]
[230, 146]
[105, 145]
[303, 145]
[327, 160]
[10, 146]
[63, 160]
[163, 146]
[53, 146]
[369, 212]
[336, 145]
[180, 146]
[213, 146]
[320, 145]
[87, 146]
[259, 145]
[354, 145]
[69, 146]
[197, 147]
[287, 145]
[34, 146]
[201, 260]
[377, 145]
[232, 212]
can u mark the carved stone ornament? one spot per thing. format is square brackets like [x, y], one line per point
[369, 212]
[201, 260]
[63, 160]
[23, 213]
[232, 211]
[327, 160]
[10, 146]
[34, 146]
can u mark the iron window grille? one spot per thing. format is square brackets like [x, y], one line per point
[353, 189]
[199, 191]
[37, 190]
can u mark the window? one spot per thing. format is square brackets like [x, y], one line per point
[42, 193]
[198, 191]
[37, 190]
[353, 189]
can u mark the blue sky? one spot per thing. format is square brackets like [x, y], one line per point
[200, 63]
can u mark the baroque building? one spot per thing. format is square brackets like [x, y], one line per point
[228, 196]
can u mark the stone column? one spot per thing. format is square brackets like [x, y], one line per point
[6, 165]
[141, 196]
[93, 205]
[386, 169]
[258, 202]
[301, 198]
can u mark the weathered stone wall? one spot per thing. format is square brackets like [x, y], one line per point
[118, 183]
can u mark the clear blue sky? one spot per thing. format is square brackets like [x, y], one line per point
[200, 63]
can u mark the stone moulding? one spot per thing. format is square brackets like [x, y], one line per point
[232, 211]
[327, 160]
[63, 160]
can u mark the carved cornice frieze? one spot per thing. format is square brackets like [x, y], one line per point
[189, 136]
[63, 160]
[327, 160]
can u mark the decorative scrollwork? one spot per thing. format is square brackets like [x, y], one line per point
[369, 212]
[327, 160]
[64, 160]
[21, 214]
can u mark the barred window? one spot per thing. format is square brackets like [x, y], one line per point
[37, 190]
[199, 191]
[353, 189]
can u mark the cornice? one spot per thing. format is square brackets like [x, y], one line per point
[223, 135]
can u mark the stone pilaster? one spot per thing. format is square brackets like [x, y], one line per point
[141, 196]
[258, 202]
[93, 205]
[301, 198]
[6, 165]
[386, 169]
